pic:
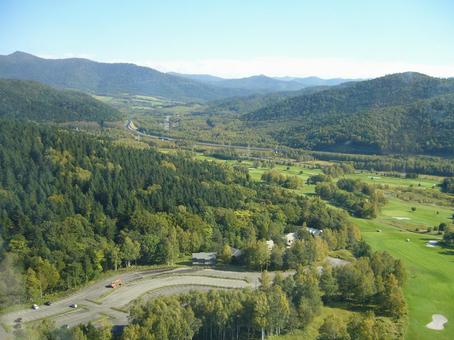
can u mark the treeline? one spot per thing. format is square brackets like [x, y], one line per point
[448, 237]
[359, 198]
[275, 177]
[73, 206]
[447, 185]
[338, 170]
[404, 164]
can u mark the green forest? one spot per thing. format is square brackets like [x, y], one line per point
[81, 205]
[73, 206]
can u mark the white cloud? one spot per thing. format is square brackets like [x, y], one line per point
[281, 66]
[274, 66]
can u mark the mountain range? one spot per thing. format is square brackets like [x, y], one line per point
[122, 78]
[399, 113]
[111, 79]
[262, 83]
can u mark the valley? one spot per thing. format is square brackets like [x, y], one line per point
[181, 173]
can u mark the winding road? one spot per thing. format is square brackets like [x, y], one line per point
[97, 302]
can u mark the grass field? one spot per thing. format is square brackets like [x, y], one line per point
[429, 289]
[379, 178]
[398, 213]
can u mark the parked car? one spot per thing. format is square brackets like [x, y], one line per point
[48, 303]
[73, 305]
[116, 283]
[35, 306]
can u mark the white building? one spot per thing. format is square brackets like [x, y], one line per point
[289, 239]
[314, 231]
[206, 259]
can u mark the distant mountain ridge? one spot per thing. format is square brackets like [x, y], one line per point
[105, 78]
[25, 99]
[120, 78]
[264, 84]
[207, 78]
[316, 81]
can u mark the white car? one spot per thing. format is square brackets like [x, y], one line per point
[35, 306]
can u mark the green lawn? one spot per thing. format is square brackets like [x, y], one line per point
[430, 286]
[398, 213]
[379, 178]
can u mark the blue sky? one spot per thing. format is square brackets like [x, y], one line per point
[238, 38]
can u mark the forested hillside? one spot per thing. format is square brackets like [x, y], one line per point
[244, 105]
[104, 78]
[31, 100]
[401, 113]
[73, 206]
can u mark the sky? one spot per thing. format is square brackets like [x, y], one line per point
[232, 38]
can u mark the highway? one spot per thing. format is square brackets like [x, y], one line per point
[131, 127]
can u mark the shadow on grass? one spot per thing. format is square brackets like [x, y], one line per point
[432, 239]
[184, 263]
[352, 306]
[447, 250]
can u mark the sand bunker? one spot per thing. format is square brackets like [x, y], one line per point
[438, 322]
[431, 243]
[401, 218]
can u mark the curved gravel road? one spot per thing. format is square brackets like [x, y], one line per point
[97, 302]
